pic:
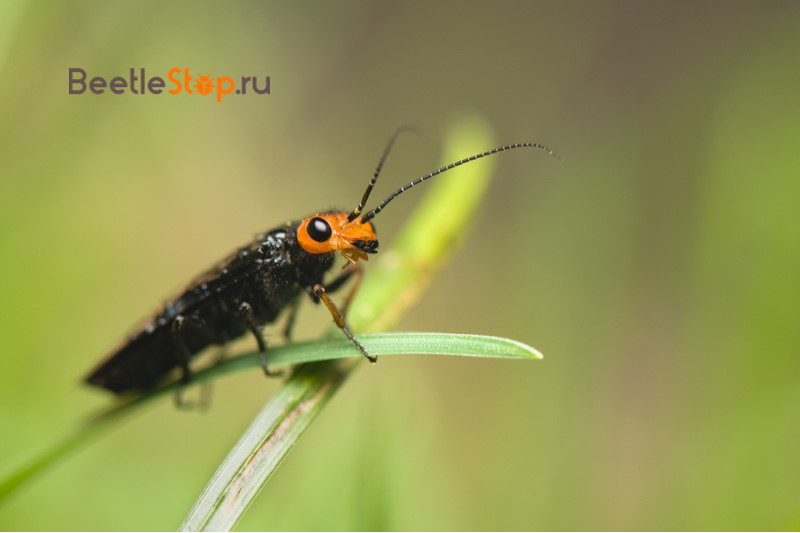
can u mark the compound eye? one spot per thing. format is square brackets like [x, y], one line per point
[318, 229]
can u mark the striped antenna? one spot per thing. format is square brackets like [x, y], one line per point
[360, 207]
[398, 192]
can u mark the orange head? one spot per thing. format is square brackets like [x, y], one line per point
[333, 232]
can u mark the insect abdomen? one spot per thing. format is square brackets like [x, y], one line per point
[139, 364]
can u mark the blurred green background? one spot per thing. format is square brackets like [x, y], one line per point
[657, 267]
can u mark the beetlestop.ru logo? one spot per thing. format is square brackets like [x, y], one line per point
[184, 82]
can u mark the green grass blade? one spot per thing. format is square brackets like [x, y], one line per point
[397, 343]
[287, 415]
[256, 456]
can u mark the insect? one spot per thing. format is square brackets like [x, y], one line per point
[253, 286]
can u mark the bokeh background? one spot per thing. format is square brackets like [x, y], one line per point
[657, 267]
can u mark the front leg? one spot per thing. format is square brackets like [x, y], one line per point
[319, 292]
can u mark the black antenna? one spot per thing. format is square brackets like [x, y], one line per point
[395, 194]
[360, 207]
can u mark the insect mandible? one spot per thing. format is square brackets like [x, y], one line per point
[252, 286]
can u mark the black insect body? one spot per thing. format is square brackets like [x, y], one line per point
[248, 289]
[251, 288]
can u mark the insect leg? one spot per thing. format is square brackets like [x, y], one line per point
[183, 356]
[246, 313]
[333, 286]
[319, 291]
